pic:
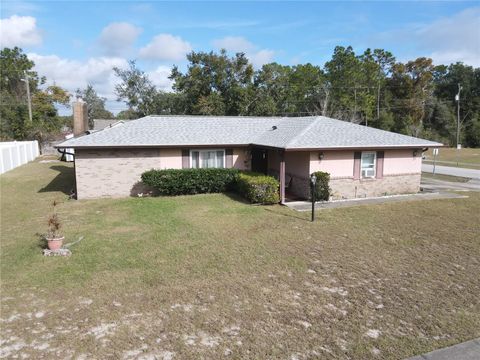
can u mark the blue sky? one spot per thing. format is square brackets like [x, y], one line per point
[74, 43]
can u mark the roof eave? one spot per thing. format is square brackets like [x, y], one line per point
[351, 147]
[135, 146]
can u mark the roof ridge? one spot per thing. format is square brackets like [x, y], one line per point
[222, 116]
[301, 133]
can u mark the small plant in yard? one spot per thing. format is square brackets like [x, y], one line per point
[258, 188]
[54, 236]
[322, 190]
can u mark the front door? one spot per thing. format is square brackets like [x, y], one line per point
[260, 161]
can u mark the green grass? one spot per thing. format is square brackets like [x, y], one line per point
[201, 276]
[442, 177]
[465, 158]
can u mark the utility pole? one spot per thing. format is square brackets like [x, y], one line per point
[457, 98]
[28, 97]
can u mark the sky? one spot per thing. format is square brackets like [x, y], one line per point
[75, 43]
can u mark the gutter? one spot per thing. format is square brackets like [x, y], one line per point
[159, 146]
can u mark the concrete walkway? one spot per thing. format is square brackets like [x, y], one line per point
[469, 350]
[454, 171]
[307, 206]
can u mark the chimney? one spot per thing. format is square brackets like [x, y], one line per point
[80, 117]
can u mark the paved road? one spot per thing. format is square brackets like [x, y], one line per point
[469, 350]
[454, 171]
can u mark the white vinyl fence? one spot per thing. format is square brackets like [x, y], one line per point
[16, 153]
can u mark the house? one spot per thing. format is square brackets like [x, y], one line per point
[100, 124]
[362, 161]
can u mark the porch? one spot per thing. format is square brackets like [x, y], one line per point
[292, 169]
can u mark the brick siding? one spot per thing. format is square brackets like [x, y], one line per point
[112, 173]
[348, 188]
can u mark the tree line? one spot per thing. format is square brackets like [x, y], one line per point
[372, 88]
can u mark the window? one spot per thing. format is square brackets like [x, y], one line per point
[207, 158]
[368, 164]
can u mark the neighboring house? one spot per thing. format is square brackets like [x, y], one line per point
[362, 161]
[100, 124]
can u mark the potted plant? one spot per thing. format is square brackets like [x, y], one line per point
[54, 237]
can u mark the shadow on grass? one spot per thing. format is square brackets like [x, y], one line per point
[290, 214]
[41, 241]
[63, 182]
[236, 197]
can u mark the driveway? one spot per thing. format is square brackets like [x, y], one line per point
[469, 350]
[454, 171]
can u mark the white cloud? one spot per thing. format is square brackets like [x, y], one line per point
[97, 71]
[261, 57]
[257, 56]
[160, 79]
[73, 74]
[19, 31]
[166, 47]
[117, 38]
[446, 40]
[234, 44]
[455, 38]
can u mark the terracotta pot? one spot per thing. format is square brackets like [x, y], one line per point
[55, 243]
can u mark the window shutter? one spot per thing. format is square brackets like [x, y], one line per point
[357, 158]
[380, 157]
[185, 159]
[228, 158]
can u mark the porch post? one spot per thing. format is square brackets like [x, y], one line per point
[282, 177]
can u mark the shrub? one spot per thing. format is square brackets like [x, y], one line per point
[322, 190]
[190, 181]
[258, 188]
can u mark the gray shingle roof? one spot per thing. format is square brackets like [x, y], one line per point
[314, 132]
[100, 124]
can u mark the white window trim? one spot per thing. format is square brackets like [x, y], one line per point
[374, 164]
[206, 150]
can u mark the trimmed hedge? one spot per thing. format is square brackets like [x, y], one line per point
[190, 181]
[322, 190]
[258, 188]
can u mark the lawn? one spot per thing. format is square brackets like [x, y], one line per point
[466, 158]
[209, 276]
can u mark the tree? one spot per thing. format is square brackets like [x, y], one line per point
[215, 83]
[270, 91]
[14, 66]
[447, 79]
[15, 123]
[415, 98]
[46, 121]
[135, 89]
[128, 114]
[95, 104]
[412, 86]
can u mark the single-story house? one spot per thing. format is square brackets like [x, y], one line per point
[362, 161]
[100, 124]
